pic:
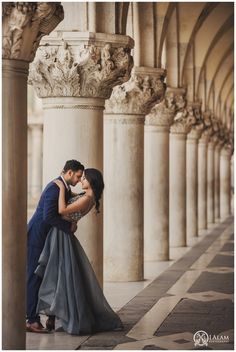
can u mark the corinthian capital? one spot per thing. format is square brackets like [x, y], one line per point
[24, 24]
[145, 88]
[77, 66]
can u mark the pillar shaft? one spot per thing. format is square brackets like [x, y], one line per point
[23, 25]
[225, 157]
[177, 190]
[156, 180]
[156, 193]
[210, 183]
[36, 172]
[217, 182]
[202, 183]
[80, 137]
[14, 194]
[123, 198]
[192, 169]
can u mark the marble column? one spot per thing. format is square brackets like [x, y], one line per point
[123, 171]
[192, 189]
[23, 26]
[177, 188]
[217, 181]
[36, 161]
[77, 73]
[202, 182]
[156, 181]
[225, 157]
[210, 182]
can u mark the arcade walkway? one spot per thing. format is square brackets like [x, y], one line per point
[192, 292]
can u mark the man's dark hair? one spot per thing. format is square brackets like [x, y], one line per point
[73, 165]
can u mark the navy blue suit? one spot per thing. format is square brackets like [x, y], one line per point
[45, 217]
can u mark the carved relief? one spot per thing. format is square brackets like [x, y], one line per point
[162, 114]
[54, 72]
[184, 117]
[24, 24]
[91, 72]
[196, 120]
[208, 127]
[138, 95]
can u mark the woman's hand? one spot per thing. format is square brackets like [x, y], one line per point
[59, 183]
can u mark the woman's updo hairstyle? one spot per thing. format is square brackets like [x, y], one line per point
[95, 179]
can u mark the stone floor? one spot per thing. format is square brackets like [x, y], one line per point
[184, 304]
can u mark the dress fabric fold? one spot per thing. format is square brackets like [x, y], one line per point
[70, 289]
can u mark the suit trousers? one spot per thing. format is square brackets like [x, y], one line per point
[33, 283]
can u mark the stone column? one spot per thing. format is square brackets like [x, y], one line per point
[210, 182]
[202, 182]
[192, 171]
[123, 171]
[156, 179]
[225, 156]
[177, 189]
[23, 26]
[36, 172]
[217, 181]
[74, 72]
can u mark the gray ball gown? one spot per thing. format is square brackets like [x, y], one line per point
[69, 288]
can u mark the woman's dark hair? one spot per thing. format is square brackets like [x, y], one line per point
[95, 179]
[73, 165]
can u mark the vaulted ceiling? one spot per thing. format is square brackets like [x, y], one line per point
[194, 41]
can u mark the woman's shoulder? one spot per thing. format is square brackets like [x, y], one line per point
[82, 195]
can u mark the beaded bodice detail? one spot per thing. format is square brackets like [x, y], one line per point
[78, 215]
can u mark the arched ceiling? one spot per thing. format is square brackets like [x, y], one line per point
[194, 41]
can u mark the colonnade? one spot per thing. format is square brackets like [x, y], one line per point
[167, 169]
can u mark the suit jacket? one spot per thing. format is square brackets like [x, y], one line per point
[46, 216]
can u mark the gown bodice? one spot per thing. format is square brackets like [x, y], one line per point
[76, 216]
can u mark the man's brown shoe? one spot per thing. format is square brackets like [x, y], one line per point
[36, 327]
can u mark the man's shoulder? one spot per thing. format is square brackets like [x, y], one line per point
[51, 187]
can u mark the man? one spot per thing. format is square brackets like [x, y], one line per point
[45, 217]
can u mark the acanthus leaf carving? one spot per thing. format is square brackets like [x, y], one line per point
[88, 71]
[54, 72]
[139, 94]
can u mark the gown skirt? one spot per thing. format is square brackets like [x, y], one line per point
[70, 289]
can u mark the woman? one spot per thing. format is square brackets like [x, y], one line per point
[69, 289]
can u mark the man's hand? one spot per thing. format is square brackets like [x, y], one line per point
[73, 227]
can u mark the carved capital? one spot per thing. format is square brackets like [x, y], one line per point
[24, 24]
[208, 127]
[162, 114]
[182, 120]
[226, 150]
[195, 120]
[145, 88]
[80, 68]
